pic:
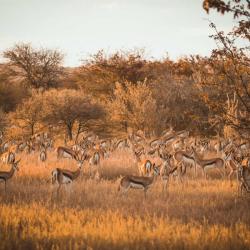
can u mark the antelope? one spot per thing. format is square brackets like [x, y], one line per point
[20, 147]
[43, 154]
[244, 179]
[144, 166]
[94, 160]
[232, 164]
[183, 158]
[63, 152]
[5, 146]
[137, 182]
[8, 157]
[216, 163]
[168, 132]
[165, 172]
[6, 175]
[65, 176]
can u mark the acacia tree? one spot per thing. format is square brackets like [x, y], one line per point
[68, 107]
[28, 114]
[99, 73]
[39, 68]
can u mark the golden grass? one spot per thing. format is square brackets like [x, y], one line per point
[198, 214]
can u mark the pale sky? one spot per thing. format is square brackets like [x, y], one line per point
[82, 27]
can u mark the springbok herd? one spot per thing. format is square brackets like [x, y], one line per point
[176, 151]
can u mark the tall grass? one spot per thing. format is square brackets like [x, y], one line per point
[198, 214]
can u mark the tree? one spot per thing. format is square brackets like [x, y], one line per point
[28, 114]
[3, 122]
[178, 100]
[11, 92]
[99, 74]
[68, 107]
[230, 65]
[38, 68]
[134, 106]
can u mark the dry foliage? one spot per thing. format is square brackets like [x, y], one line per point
[200, 214]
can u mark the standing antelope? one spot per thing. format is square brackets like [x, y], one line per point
[232, 164]
[138, 182]
[8, 157]
[94, 161]
[144, 166]
[95, 158]
[244, 177]
[214, 163]
[6, 175]
[43, 154]
[165, 172]
[65, 176]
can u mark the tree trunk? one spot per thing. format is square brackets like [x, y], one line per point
[32, 126]
[79, 130]
[69, 131]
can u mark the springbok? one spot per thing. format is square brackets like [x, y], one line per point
[144, 166]
[6, 175]
[232, 164]
[43, 154]
[138, 182]
[8, 157]
[63, 152]
[62, 176]
[244, 179]
[214, 163]
[182, 158]
[166, 171]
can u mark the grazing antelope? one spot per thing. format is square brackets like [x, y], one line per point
[63, 152]
[181, 159]
[214, 163]
[63, 176]
[138, 182]
[6, 175]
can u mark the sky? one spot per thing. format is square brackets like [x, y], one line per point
[79, 28]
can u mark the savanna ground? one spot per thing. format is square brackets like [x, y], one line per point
[198, 214]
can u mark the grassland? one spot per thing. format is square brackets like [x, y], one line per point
[198, 214]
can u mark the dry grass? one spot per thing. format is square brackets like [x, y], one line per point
[197, 214]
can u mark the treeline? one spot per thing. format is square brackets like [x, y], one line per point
[114, 94]
[111, 94]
